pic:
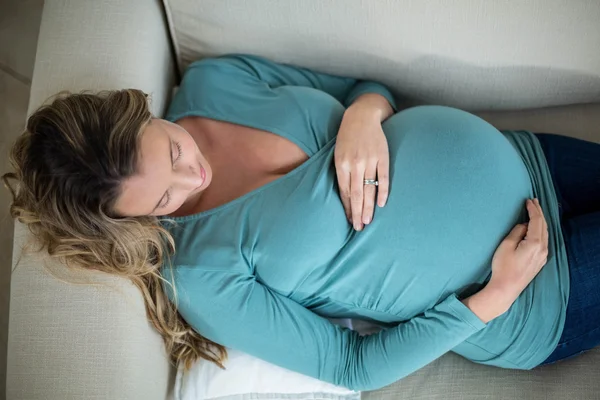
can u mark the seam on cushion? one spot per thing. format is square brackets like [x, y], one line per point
[16, 264]
[172, 38]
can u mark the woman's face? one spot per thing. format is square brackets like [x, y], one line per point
[171, 169]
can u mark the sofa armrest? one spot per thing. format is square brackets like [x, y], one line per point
[69, 339]
[108, 44]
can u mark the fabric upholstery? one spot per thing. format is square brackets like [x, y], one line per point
[453, 378]
[100, 45]
[73, 341]
[79, 336]
[464, 53]
[581, 121]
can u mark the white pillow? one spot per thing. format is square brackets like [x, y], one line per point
[248, 377]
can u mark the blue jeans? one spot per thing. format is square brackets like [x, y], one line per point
[575, 168]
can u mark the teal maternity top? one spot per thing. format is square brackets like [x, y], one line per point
[260, 273]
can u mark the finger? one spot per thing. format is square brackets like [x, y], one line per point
[515, 236]
[536, 224]
[383, 177]
[370, 191]
[540, 216]
[544, 228]
[545, 223]
[357, 177]
[343, 178]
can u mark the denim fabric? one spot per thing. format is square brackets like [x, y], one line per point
[575, 168]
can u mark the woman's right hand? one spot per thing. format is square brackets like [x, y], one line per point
[522, 254]
[517, 261]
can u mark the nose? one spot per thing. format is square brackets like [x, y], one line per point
[190, 178]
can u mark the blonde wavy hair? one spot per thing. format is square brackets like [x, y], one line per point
[68, 168]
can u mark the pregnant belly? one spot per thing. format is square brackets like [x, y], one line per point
[457, 188]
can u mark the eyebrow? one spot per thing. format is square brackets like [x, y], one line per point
[163, 196]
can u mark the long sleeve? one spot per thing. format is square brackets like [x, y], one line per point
[259, 71]
[235, 310]
[253, 91]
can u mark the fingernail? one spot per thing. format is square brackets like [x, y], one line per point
[367, 220]
[357, 226]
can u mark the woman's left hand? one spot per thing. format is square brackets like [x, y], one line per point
[361, 152]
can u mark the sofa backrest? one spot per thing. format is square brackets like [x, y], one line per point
[464, 53]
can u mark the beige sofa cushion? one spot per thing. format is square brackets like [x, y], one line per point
[467, 53]
[80, 336]
[72, 341]
[581, 121]
[452, 378]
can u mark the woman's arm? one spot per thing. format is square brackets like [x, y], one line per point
[236, 311]
[489, 303]
[239, 74]
[369, 106]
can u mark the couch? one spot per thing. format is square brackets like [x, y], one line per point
[529, 64]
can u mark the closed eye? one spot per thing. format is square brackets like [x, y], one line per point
[179, 152]
[168, 196]
[167, 193]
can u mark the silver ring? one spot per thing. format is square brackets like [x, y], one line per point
[371, 182]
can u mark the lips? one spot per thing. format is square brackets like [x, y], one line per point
[202, 175]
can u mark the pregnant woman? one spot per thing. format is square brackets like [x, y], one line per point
[272, 197]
